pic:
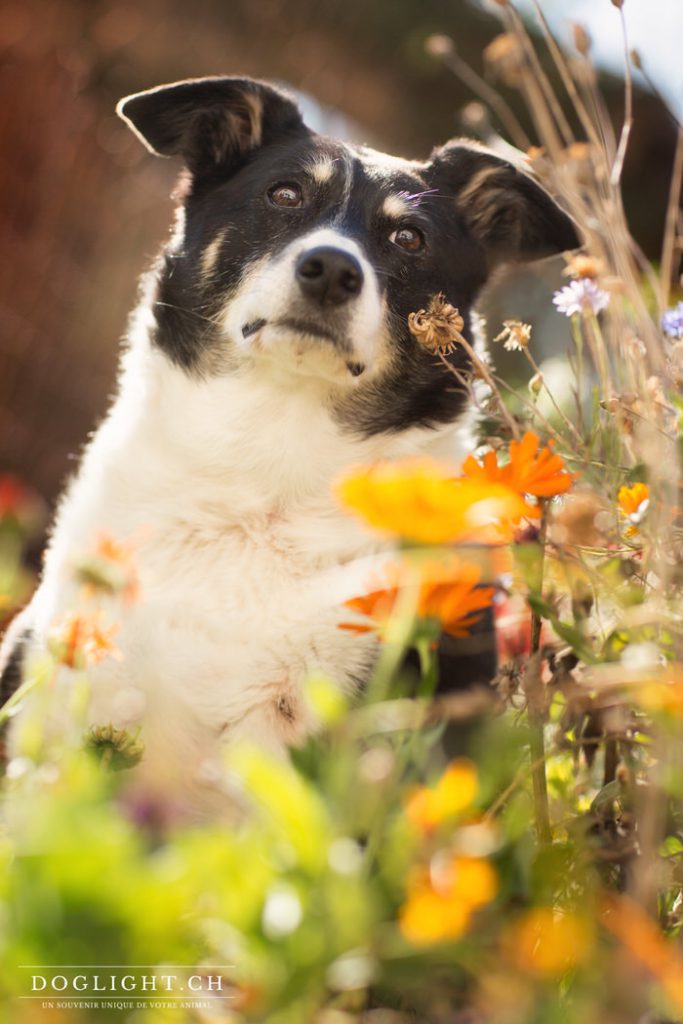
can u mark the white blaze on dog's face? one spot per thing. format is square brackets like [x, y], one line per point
[315, 307]
[305, 254]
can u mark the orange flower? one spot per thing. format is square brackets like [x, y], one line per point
[110, 568]
[528, 471]
[634, 501]
[448, 593]
[441, 901]
[428, 807]
[548, 942]
[420, 500]
[426, 917]
[642, 937]
[80, 640]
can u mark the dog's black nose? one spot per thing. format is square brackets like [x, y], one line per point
[329, 276]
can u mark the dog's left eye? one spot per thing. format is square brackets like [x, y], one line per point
[286, 193]
[408, 238]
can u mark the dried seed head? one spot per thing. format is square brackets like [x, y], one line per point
[584, 266]
[439, 46]
[582, 40]
[618, 3]
[437, 328]
[475, 117]
[505, 56]
[576, 520]
[535, 153]
[579, 157]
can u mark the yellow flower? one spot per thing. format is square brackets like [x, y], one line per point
[441, 901]
[529, 470]
[633, 503]
[426, 918]
[448, 593]
[549, 942]
[428, 807]
[663, 692]
[470, 879]
[419, 500]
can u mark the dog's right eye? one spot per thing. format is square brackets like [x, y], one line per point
[286, 193]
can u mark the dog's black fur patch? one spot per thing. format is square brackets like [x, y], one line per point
[11, 668]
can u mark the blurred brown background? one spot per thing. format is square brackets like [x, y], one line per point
[83, 207]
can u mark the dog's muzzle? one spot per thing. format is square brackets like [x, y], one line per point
[329, 276]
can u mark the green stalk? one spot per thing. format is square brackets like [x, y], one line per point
[535, 713]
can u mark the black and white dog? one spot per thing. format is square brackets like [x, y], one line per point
[271, 350]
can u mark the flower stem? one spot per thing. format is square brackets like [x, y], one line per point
[532, 685]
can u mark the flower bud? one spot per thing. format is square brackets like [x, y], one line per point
[582, 40]
[536, 384]
[439, 45]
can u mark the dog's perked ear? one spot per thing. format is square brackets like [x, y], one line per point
[213, 123]
[507, 212]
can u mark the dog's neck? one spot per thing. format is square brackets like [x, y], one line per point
[251, 440]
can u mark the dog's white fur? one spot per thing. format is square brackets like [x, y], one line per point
[244, 557]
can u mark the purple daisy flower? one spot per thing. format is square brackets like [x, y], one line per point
[581, 296]
[672, 322]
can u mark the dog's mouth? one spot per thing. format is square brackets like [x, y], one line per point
[309, 329]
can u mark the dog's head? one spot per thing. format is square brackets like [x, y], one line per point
[297, 254]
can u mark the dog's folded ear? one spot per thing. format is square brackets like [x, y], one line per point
[506, 210]
[213, 123]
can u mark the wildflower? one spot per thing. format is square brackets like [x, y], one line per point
[515, 335]
[440, 902]
[581, 296]
[528, 471]
[428, 807]
[447, 593]
[438, 327]
[78, 640]
[470, 879]
[110, 568]
[419, 500]
[19, 505]
[583, 265]
[549, 942]
[641, 935]
[513, 630]
[426, 917]
[115, 748]
[672, 322]
[664, 696]
[13, 494]
[634, 502]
